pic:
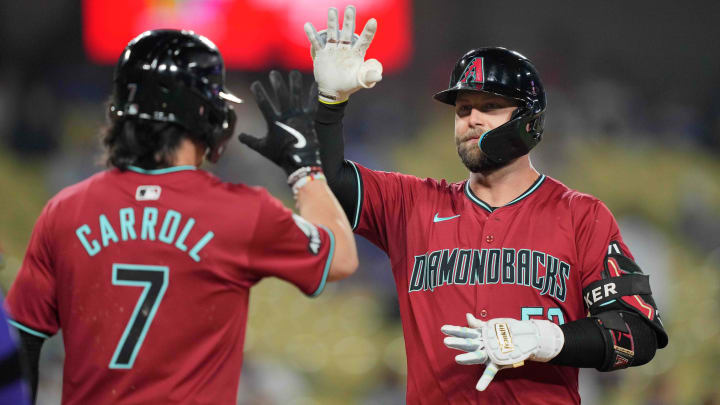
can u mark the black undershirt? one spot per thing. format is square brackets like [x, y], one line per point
[339, 173]
[30, 351]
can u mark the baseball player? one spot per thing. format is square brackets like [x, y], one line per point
[147, 267]
[541, 270]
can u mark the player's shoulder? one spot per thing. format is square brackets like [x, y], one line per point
[236, 189]
[77, 190]
[250, 198]
[569, 197]
[439, 185]
[202, 182]
[409, 180]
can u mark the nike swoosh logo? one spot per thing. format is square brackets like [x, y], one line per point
[301, 142]
[440, 219]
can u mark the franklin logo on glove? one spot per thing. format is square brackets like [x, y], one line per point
[504, 339]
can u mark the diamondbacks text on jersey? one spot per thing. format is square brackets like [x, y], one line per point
[452, 254]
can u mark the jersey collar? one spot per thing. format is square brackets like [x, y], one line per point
[161, 171]
[487, 207]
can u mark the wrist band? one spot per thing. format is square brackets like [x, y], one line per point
[305, 180]
[303, 175]
[330, 100]
[302, 172]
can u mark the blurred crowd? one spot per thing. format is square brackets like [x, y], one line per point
[633, 118]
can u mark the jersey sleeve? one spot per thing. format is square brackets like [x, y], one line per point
[287, 246]
[597, 232]
[31, 302]
[383, 202]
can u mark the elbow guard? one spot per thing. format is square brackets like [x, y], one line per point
[632, 344]
[622, 302]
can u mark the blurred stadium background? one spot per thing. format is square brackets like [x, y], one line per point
[633, 118]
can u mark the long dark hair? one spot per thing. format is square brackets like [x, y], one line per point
[145, 144]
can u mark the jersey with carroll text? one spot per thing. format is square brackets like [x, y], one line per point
[451, 253]
[148, 273]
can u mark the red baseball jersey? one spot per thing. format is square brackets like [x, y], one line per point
[148, 273]
[451, 253]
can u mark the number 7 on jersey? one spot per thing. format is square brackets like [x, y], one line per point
[154, 280]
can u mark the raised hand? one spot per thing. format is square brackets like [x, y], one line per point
[503, 343]
[291, 141]
[339, 57]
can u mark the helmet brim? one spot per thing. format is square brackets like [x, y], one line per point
[448, 96]
[227, 96]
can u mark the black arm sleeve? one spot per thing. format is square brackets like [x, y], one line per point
[340, 174]
[30, 351]
[589, 345]
[584, 344]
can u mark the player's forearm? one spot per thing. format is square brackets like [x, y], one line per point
[584, 345]
[340, 174]
[329, 127]
[588, 345]
[30, 350]
[317, 204]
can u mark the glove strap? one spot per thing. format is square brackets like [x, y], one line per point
[330, 99]
[303, 176]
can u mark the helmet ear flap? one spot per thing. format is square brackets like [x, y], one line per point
[538, 125]
[220, 134]
[535, 106]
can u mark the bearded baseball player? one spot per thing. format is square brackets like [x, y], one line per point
[541, 270]
[147, 267]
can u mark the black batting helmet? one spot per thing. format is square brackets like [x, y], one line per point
[509, 74]
[178, 77]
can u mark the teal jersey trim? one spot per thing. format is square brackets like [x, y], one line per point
[161, 171]
[356, 220]
[532, 188]
[522, 196]
[28, 330]
[476, 200]
[326, 271]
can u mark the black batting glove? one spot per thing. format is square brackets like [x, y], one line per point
[291, 142]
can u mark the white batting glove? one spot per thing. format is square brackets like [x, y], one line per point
[503, 343]
[339, 57]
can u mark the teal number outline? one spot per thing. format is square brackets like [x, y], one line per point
[554, 312]
[557, 313]
[147, 285]
[527, 312]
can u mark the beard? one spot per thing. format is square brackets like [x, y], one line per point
[473, 158]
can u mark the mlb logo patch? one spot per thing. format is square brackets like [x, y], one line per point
[148, 193]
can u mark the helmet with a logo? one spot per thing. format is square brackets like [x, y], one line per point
[178, 77]
[509, 74]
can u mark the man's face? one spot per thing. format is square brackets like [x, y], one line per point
[475, 114]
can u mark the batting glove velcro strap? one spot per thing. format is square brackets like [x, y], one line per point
[339, 57]
[503, 343]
